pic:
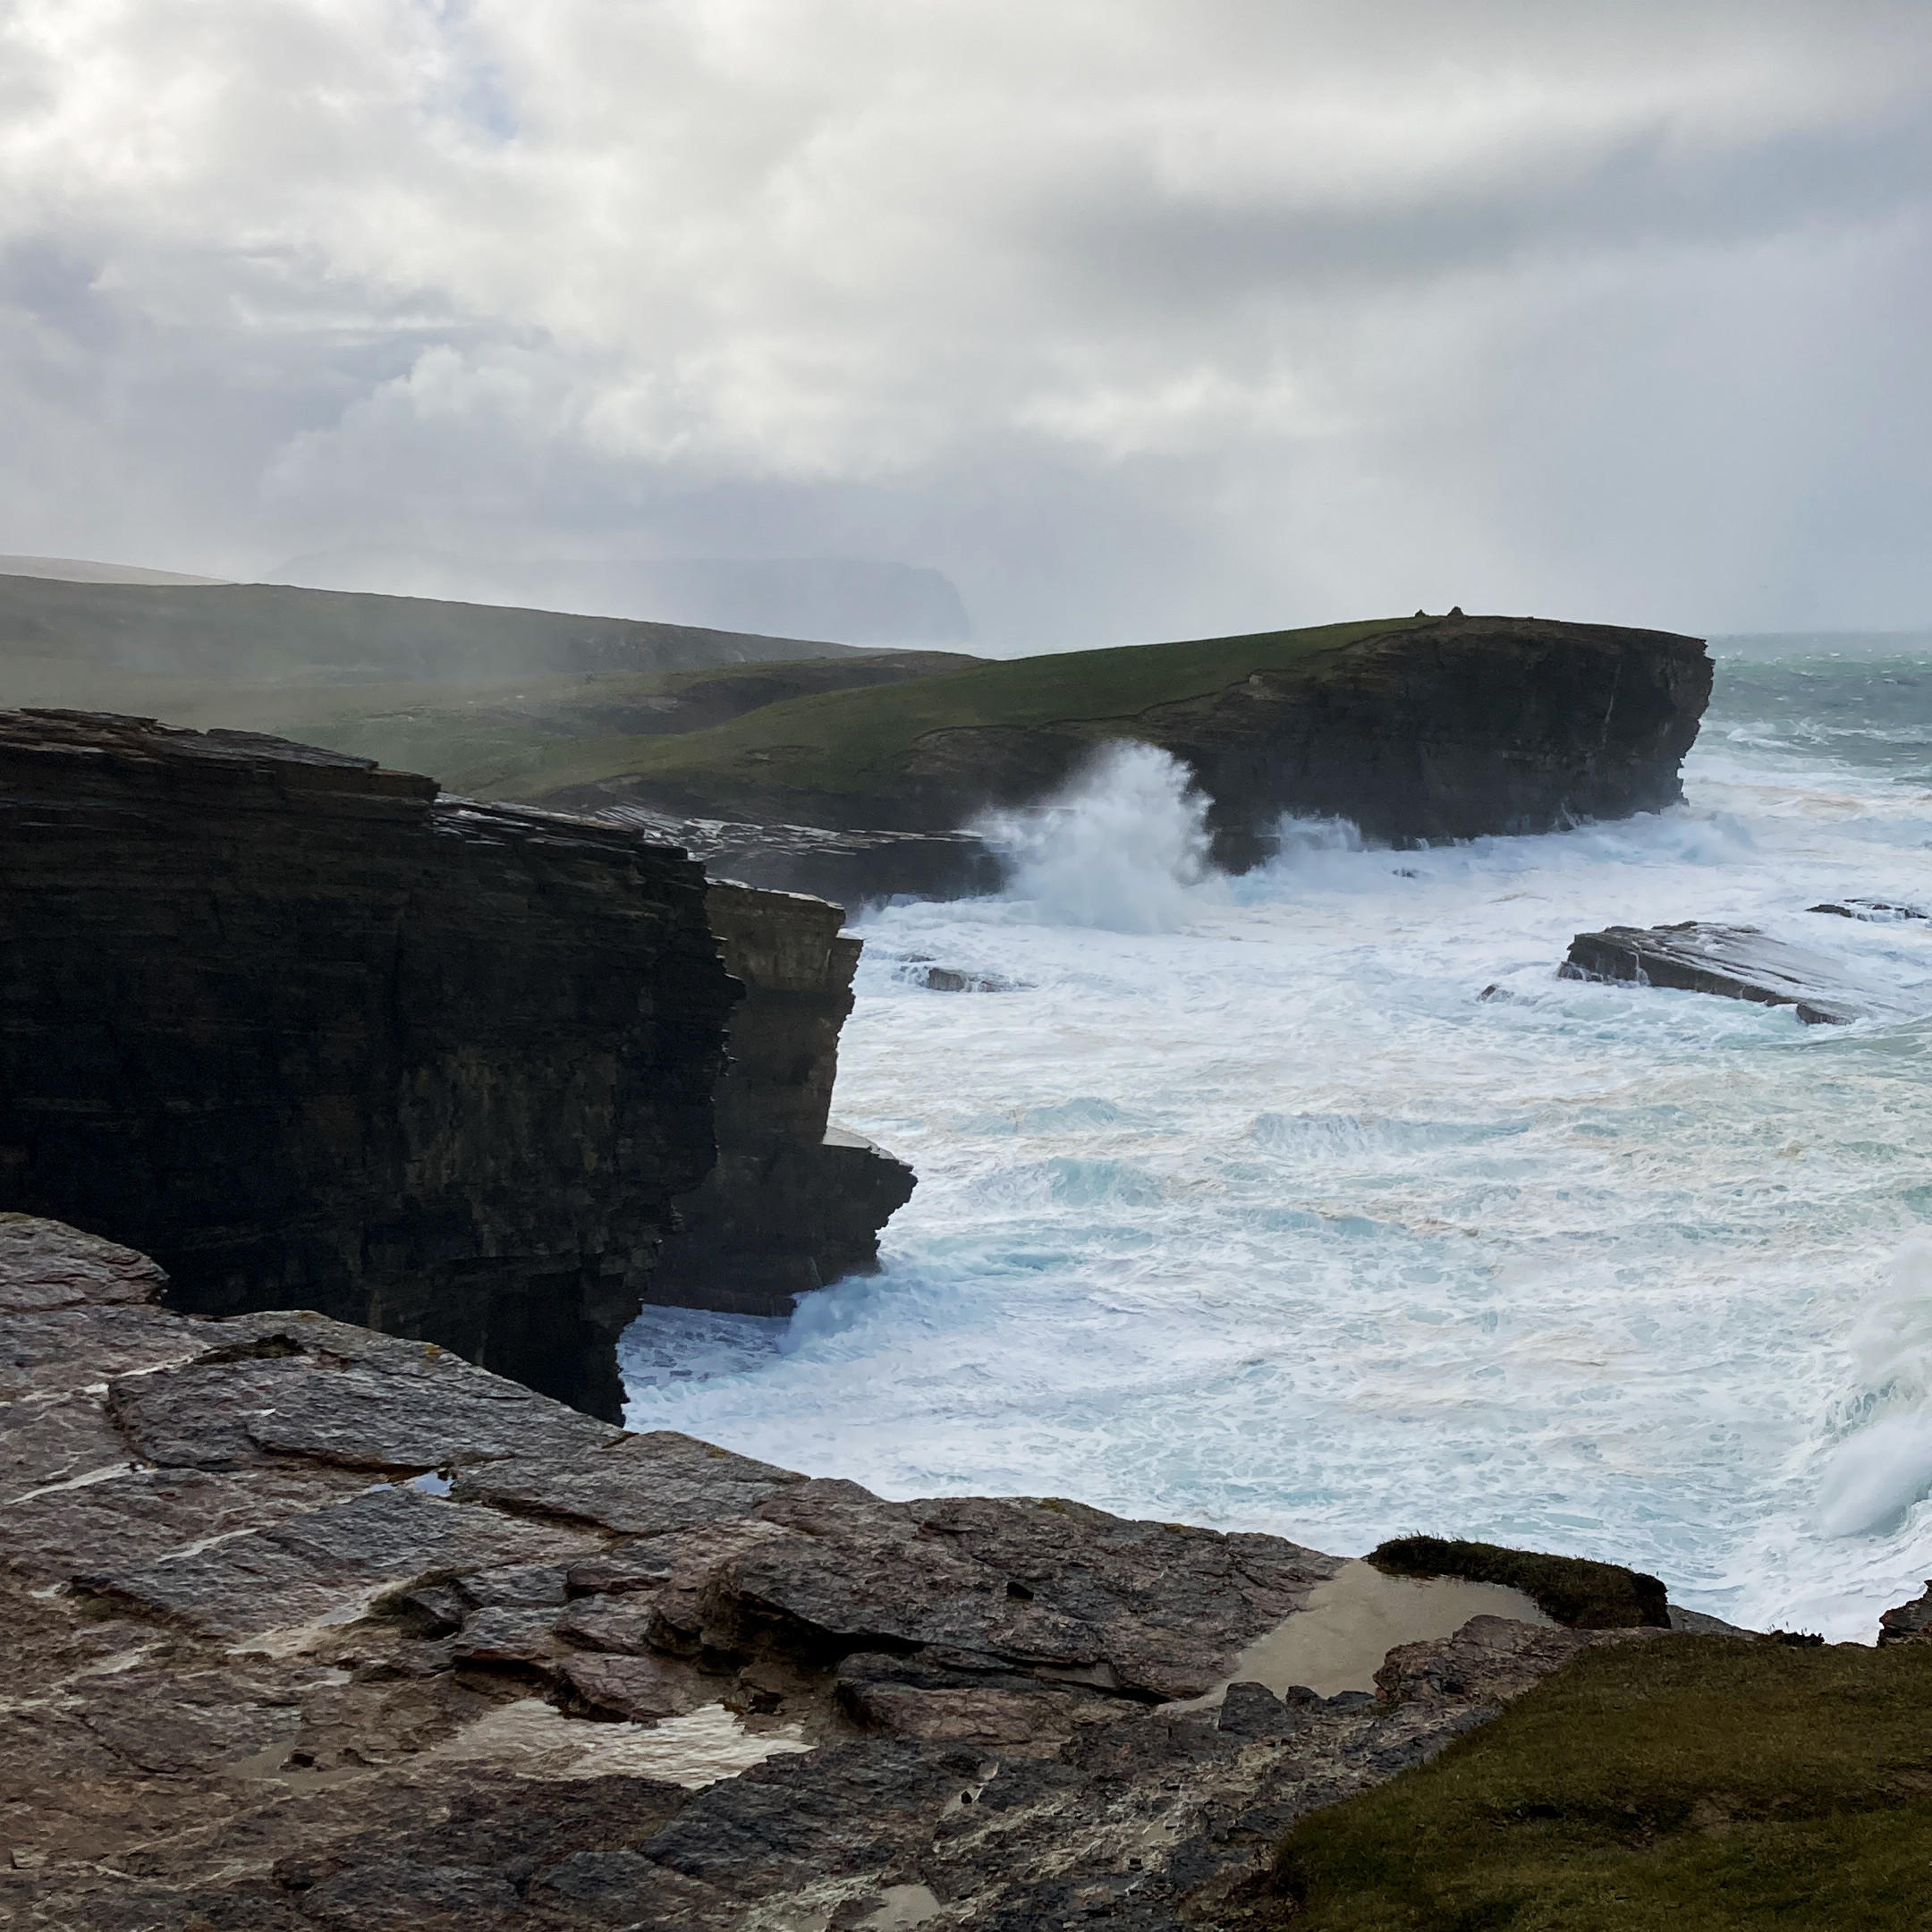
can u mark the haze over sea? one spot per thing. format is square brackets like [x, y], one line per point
[1244, 1208]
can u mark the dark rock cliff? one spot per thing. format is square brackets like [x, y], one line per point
[793, 1202]
[306, 1033]
[1467, 726]
[1423, 730]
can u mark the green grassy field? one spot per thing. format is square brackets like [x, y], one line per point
[854, 741]
[1678, 1784]
[485, 737]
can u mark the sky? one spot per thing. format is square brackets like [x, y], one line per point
[1135, 319]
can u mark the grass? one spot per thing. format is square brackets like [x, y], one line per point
[1570, 1590]
[481, 737]
[854, 742]
[1681, 1784]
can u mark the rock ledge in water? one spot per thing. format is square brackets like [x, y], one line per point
[1732, 962]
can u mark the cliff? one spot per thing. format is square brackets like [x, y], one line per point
[314, 1630]
[1416, 729]
[306, 1032]
[793, 1202]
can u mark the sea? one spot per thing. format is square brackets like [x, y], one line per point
[1313, 1201]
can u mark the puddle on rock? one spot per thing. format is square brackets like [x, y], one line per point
[1352, 1622]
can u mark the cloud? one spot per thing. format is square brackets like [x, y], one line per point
[1135, 317]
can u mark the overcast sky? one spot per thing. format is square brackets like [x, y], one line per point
[1136, 318]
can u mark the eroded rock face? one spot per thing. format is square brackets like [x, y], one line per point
[793, 1202]
[312, 1627]
[1908, 1623]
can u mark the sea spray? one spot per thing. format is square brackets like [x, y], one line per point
[1884, 1467]
[1124, 846]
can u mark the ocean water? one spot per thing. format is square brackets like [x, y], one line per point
[1246, 1208]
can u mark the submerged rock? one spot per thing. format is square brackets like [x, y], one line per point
[1734, 961]
[1876, 912]
[920, 971]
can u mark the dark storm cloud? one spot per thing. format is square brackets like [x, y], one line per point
[1135, 317]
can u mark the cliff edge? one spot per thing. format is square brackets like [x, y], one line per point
[306, 1031]
[1416, 729]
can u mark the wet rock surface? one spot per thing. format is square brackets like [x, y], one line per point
[453, 1655]
[1732, 962]
[855, 868]
[793, 1202]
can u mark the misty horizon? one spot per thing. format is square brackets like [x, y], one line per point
[1153, 322]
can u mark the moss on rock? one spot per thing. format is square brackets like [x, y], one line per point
[1570, 1590]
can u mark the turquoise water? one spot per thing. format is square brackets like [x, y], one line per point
[1249, 1210]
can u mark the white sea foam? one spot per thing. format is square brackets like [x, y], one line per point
[1124, 846]
[1249, 1211]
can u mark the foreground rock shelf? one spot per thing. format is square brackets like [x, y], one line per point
[316, 1627]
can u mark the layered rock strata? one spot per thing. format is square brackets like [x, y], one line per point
[793, 1202]
[308, 1033]
[1732, 962]
[312, 1627]
[1464, 727]
[854, 869]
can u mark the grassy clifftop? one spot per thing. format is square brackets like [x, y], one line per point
[855, 744]
[1676, 1785]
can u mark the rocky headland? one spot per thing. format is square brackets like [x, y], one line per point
[310, 1033]
[1416, 730]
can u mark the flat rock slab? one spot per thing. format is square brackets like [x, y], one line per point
[637, 1485]
[1732, 962]
[1149, 1609]
[295, 1385]
[327, 1567]
[48, 1265]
